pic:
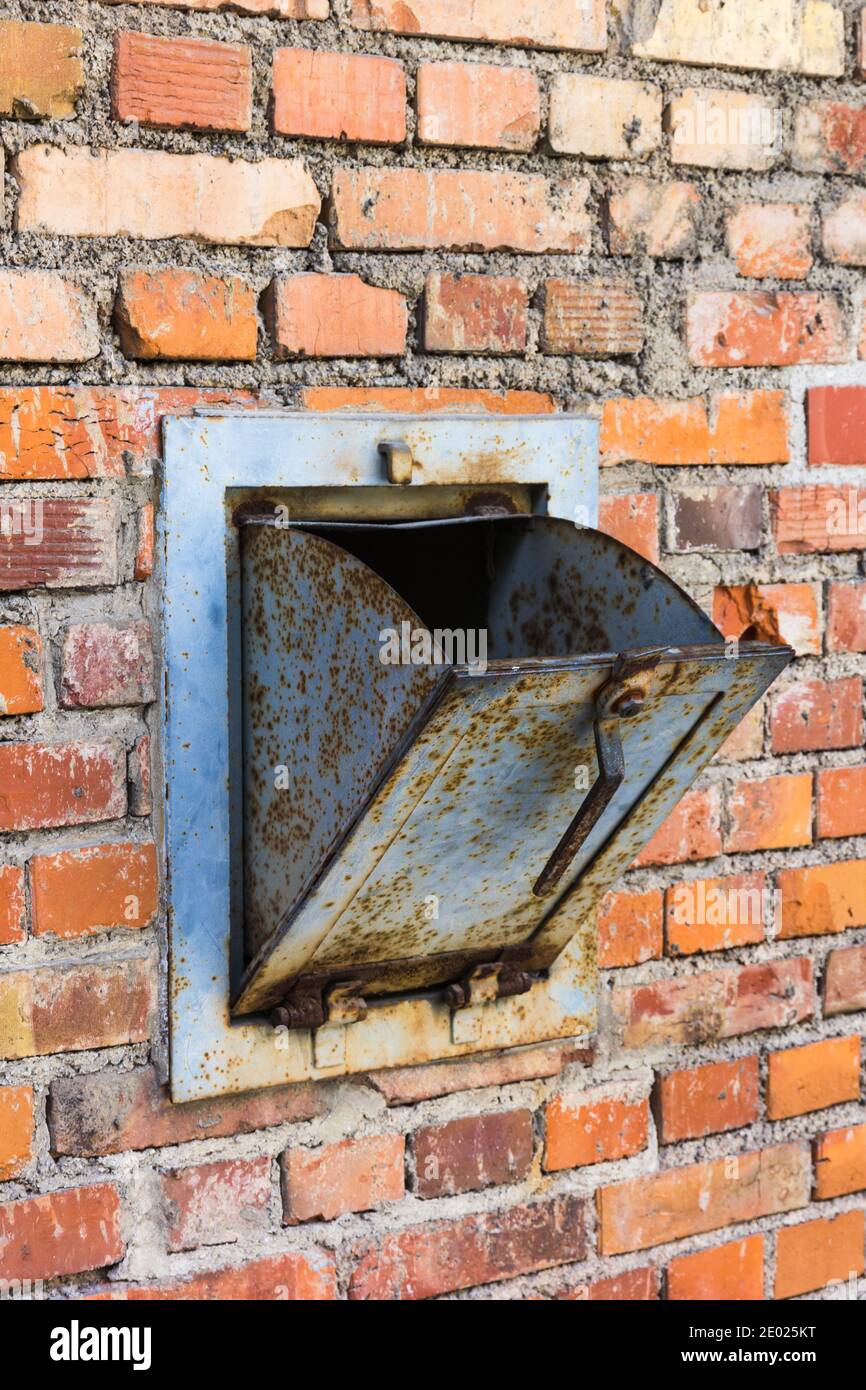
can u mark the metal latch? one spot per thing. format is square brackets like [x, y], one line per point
[398, 457]
[498, 980]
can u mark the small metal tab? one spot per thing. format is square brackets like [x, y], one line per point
[344, 1003]
[398, 457]
[500, 980]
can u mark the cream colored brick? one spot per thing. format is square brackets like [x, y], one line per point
[805, 36]
[155, 195]
[723, 129]
[602, 118]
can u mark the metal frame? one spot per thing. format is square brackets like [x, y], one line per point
[206, 457]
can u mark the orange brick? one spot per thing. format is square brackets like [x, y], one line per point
[841, 793]
[421, 400]
[845, 981]
[181, 82]
[830, 138]
[478, 106]
[634, 1286]
[846, 618]
[145, 546]
[702, 1197]
[734, 427]
[749, 328]
[592, 318]
[177, 313]
[16, 1130]
[771, 239]
[556, 24]
[692, 831]
[584, 1131]
[840, 1162]
[12, 905]
[774, 813]
[45, 318]
[807, 520]
[339, 96]
[629, 928]
[814, 715]
[777, 613]
[213, 1203]
[60, 1233]
[654, 219]
[20, 670]
[808, 1078]
[83, 891]
[632, 518]
[727, 1273]
[41, 72]
[474, 313]
[749, 427]
[355, 1175]
[822, 898]
[460, 210]
[714, 914]
[61, 784]
[335, 316]
[707, 1100]
[818, 1253]
[291, 1277]
[836, 422]
[472, 1152]
[75, 1008]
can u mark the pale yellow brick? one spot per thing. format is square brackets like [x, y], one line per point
[716, 129]
[805, 36]
[603, 118]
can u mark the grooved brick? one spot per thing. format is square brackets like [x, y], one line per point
[705, 1100]
[702, 1197]
[474, 313]
[20, 670]
[478, 106]
[692, 831]
[107, 664]
[471, 1153]
[60, 784]
[584, 1130]
[751, 328]
[813, 519]
[629, 928]
[45, 318]
[339, 96]
[103, 887]
[845, 980]
[727, 1273]
[592, 318]
[353, 1175]
[41, 73]
[16, 1130]
[423, 1261]
[604, 118]
[733, 427]
[292, 1277]
[632, 518]
[841, 802]
[773, 813]
[12, 905]
[60, 1233]
[176, 313]
[656, 219]
[820, 1074]
[216, 1203]
[714, 914]
[840, 1162]
[817, 715]
[58, 542]
[153, 195]
[715, 1004]
[314, 315]
[181, 82]
[822, 898]
[771, 239]
[818, 1253]
[556, 24]
[460, 210]
[110, 1112]
[75, 1008]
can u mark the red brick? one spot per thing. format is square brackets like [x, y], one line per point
[41, 72]
[830, 138]
[16, 1130]
[58, 543]
[727, 1273]
[822, 899]
[750, 328]
[717, 518]
[841, 799]
[707, 1100]
[335, 316]
[61, 784]
[629, 928]
[111, 1112]
[469, 1154]
[103, 887]
[75, 1008]
[818, 1253]
[423, 1261]
[714, 914]
[175, 314]
[213, 1203]
[478, 106]
[557, 24]
[339, 96]
[138, 777]
[702, 1197]
[813, 715]
[771, 239]
[290, 1277]
[776, 613]
[592, 318]
[732, 427]
[20, 670]
[424, 400]
[45, 318]
[840, 1162]
[846, 617]
[802, 1079]
[653, 219]
[354, 1175]
[143, 567]
[460, 210]
[408, 1085]
[12, 905]
[836, 418]
[810, 519]
[845, 980]
[692, 831]
[474, 313]
[181, 82]
[634, 1286]
[632, 518]
[60, 1233]
[107, 664]
[715, 1004]
[582, 1130]
[774, 813]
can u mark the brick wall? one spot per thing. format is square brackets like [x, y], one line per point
[652, 212]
